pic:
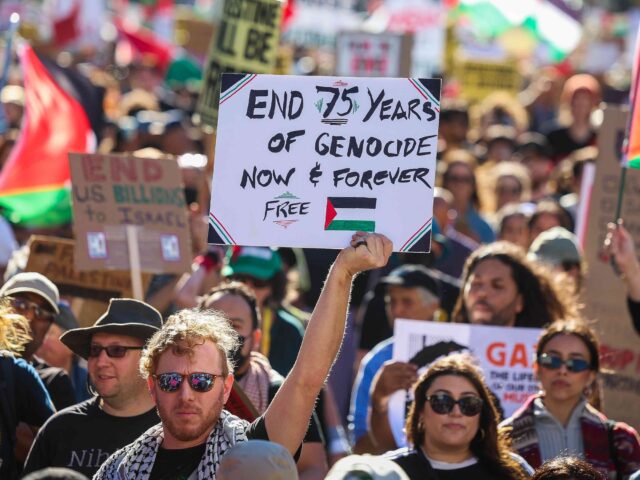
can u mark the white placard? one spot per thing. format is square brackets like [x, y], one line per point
[505, 355]
[306, 161]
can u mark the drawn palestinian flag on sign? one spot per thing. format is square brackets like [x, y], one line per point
[350, 213]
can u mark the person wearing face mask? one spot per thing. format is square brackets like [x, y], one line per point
[253, 372]
[561, 419]
[452, 428]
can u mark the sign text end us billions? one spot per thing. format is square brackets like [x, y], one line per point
[306, 161]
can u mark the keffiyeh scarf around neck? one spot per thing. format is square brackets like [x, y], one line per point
[135, 461]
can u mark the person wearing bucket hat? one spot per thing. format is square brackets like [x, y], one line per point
[83, 436]
[260, 269]
[36, 297]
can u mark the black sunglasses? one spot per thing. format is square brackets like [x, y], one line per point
[113, 351]
[443, 403]
[23, 305]
[554, 362]
[199, 381]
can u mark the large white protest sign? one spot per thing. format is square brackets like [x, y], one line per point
[504, 354]
[306, 161]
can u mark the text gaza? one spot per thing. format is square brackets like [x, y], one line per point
[339, 101]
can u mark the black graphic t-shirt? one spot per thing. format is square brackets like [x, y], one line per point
[176, 464]
[83, 436]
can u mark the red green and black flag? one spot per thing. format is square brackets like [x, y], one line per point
[61, 107]
[350, 213]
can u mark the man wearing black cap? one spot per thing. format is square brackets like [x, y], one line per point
[83, 436]
[412, 293]
[34, 296]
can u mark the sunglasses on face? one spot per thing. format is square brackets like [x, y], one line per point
[113, 351]
[201, 382]
[443, 403]
[23, 305]
[554, 362]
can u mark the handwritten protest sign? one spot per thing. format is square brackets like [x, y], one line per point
[87, 292]
[306, 161]
[361, 54]
[113, 191]
[605, 294]
[481, 78]
[504, 354]
[246, 40]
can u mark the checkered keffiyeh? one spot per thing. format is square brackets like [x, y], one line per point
[255, 382]
[135, 461]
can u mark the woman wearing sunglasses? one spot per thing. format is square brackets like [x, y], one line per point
[560, 420]
[452, 428]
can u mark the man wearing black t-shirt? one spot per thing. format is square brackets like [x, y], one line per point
[83, 436]
[189, 375]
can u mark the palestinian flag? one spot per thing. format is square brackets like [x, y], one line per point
[551, 23]
[631, 148]
[350, 213]
[34, 183]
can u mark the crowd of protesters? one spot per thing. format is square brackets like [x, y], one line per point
[222, 372]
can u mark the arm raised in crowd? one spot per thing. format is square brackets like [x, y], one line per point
[288, 415]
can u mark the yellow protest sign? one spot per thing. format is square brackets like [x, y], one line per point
[246, 41]
[481, 78]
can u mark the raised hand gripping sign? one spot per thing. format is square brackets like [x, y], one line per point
[306, 161]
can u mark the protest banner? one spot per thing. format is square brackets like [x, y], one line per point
[306, 161]
[113, 192]
[505, 355]
[88, 293]
[193, 34]
[361, 54]
[245, 40]
[481, 78]
[604, 293]
[316, 23]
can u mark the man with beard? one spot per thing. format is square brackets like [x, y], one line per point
[189, 376]
[83, 436]
[252, 370]
[502, 287]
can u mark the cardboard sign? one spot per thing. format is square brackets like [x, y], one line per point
[306, 161]
[605, 293]
[88, 293]
[505, 355]
[246, 40]
[479, 79]
[362, 54]
[112, 191]
[194, 35]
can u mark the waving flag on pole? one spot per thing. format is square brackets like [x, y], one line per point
[35, 181]
[631, 148]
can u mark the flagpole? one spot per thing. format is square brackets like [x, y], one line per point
[14, 19]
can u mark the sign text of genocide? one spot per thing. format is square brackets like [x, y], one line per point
[605, 294]
[504, 354]
[87, 292]
[112, 191]
[479, 79]
[306, 161]
[246, 40]
[373, 55]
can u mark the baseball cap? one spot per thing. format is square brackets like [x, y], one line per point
[257, 459]
[124, 316]
[555, 246]
[366, 467]
[35, 283]
[258, 262]
[410, 276]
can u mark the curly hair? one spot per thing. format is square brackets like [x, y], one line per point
[238, 289]
[487, 445]
[15, 332]
[185, 330]
[544, 300]
[567, 468]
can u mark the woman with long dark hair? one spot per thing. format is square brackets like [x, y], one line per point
[452, 428]
[562, 418]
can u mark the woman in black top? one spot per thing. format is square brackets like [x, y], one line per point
[452, 428]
